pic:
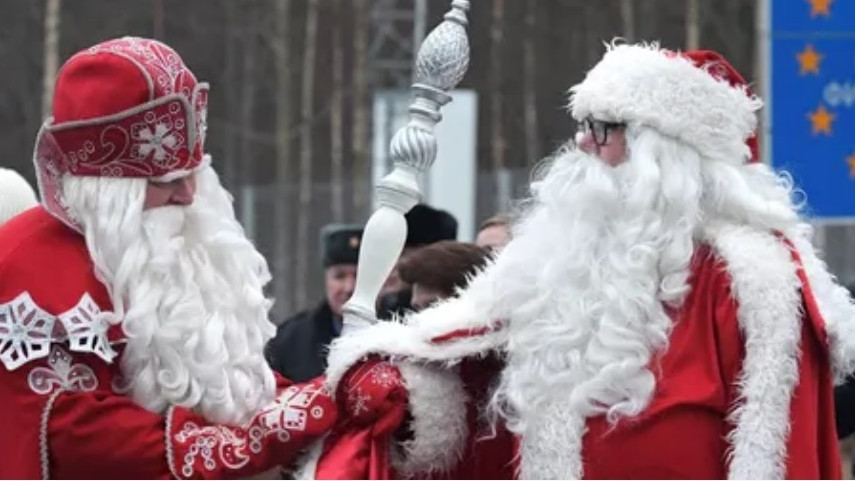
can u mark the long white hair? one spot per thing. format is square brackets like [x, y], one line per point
[598, 258]
[186, 286]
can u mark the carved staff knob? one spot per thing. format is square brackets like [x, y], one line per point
[441, 62]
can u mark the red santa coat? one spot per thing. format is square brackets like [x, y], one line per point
[744, 389]
[61, 416]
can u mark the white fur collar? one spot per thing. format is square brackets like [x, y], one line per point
[835, 306]
[766, 288]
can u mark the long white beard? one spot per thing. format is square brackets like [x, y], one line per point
[186, 285]
[595, 261]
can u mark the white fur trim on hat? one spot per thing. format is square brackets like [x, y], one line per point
[16, 195]
[644, 85]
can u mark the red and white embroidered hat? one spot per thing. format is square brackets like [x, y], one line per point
[696, 97]
[127, 107]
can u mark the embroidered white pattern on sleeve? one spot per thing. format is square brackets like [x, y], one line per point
[232, 446]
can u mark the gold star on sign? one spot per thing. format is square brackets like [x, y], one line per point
[820, 120]
[851, 161]
[820, 7]
[809, 60]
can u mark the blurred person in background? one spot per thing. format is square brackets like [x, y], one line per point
[132, 312]
[16, 194]
[299, 349]
[436, 271]
[425, 225]
[494, 232]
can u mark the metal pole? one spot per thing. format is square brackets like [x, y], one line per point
[157, 19]
[764, 48]
[693, 28]
[419, 23]
[441, 63]
[53, 13]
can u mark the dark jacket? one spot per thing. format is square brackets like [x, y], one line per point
[299, 350]
[395, 304]
[844, 408]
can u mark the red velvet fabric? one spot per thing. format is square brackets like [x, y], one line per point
[373, 397]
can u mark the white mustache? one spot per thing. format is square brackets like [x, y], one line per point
[165, 221]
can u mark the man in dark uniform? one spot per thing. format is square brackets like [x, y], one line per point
[299, 349]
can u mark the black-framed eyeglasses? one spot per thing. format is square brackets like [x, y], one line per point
[599, 129]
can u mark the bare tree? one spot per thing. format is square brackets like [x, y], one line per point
[337, 117]
[728, 29]
[627, 15]
[282, 250]
[593, 32]
[360, 132]
[305, 194]
[532, 147]
[157, 19]
[247, 112]
[693, 25]
[497, 134]
[51, 53]
[759, 72]
[231, 101]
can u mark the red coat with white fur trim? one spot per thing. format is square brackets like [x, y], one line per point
[61, 416]
[744, 389]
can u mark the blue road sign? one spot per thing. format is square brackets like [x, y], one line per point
[812, 101]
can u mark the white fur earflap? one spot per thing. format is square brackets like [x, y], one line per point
[650, 86]
[767, 289]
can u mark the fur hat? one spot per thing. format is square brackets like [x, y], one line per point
[696, 97]
[340, 244]
[426, 225]
[16, 195]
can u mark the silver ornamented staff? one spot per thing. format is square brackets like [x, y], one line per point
[441, 62]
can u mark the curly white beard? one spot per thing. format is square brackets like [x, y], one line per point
[594, 262]
[186, 285]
